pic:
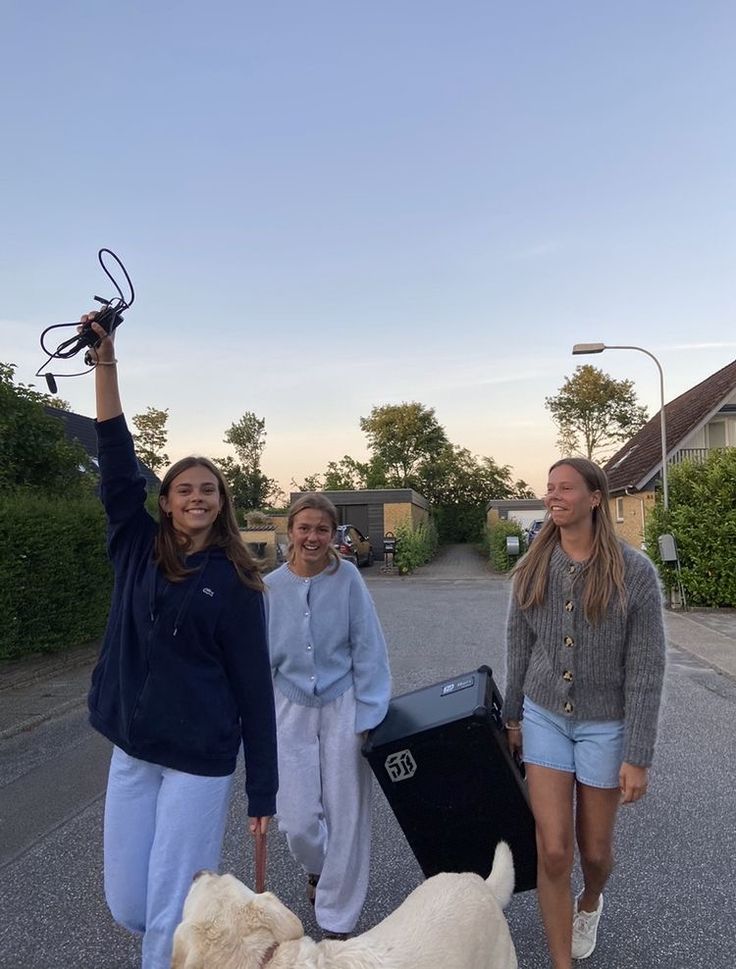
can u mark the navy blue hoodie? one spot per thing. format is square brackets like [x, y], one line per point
[184, 672]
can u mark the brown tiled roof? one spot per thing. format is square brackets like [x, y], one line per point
[640, 459]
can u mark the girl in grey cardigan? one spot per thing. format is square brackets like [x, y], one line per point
[585, 663]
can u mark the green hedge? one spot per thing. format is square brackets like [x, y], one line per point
[702, 517]
[459, 523]
[415, 546]
[496, 535]
[55, 578]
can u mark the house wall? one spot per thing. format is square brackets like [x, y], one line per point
[634, 510]
[262, 545]
[522, 510]
[402, 513]
[279, 523]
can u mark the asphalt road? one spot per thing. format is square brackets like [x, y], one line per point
[671, 903]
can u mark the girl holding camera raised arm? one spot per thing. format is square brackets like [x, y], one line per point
[182, 679]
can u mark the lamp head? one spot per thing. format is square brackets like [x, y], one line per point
[588, 348]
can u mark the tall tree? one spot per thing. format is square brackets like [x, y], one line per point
[34, 452]
[250, 487]
[458, 477]
[593, 412]
[150, 440]
[403, 436]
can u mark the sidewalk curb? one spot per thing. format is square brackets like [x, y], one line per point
[32, 722]
[711, 646]
[28, 670]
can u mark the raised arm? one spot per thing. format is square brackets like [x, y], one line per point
[107, 393]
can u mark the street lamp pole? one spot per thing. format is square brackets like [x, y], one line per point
[583, 348]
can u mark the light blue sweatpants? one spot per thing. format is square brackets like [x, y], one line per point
[324, 804]
[161, 827]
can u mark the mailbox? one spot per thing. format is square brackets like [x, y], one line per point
[389, 543]
[667, 548]
[512, 546]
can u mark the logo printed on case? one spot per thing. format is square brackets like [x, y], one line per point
[400, 766]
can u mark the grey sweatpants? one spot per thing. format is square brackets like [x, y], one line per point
[324, 804]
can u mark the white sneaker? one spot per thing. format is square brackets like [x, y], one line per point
[585, 930]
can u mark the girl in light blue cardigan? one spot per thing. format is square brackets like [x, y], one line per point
[332, 685]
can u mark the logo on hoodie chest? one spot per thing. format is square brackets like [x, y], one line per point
[208, 592]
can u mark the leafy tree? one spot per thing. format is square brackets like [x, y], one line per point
[593, 412]
[250, 487]
[150, 440]
[458, 477]
[351, 475]
[404, 436]
[522, 490]
[312, 482]
[702, 517]
[34, 452]
[459, 484]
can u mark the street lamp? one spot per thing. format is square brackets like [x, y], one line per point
[582, 348]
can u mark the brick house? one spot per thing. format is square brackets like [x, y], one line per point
[698, 421]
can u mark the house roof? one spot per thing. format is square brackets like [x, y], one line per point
[640, 459]
[79, 428]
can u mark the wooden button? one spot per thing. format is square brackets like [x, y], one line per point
[567, 676]
[569, 605]
[569, 641]
[568, 707]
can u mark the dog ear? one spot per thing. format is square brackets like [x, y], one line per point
[267, 911]
[186, 953]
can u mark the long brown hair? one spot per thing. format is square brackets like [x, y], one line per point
[171, 546]
[318, 503]
[604, 571]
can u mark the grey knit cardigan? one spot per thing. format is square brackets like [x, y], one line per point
[612, 670]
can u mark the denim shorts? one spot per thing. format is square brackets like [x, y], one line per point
[589, 749]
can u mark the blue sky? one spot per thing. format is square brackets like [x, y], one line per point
[327, 206]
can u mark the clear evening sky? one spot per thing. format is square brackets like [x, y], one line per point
[327, 206]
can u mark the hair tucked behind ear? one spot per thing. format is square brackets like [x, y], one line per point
[171, 546]
[604, 571]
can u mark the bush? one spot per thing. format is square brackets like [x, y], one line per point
[55, 578]
[497, 535]
[415, 546]
[702, 517]
[460, 523]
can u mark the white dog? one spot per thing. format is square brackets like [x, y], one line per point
[449, 922]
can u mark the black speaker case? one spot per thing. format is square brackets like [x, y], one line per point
[441, 758]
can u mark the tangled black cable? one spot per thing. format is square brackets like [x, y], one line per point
[109, 318]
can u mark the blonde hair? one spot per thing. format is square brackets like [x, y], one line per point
[311, 500]
[604, 571]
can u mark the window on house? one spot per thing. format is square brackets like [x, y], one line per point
[717, 434]
[619, 509]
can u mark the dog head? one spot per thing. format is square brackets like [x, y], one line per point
[225, 925]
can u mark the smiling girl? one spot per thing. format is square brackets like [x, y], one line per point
[585, 663]
[182, 679]
[332, 685]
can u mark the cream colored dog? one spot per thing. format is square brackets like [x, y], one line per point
[449, 922]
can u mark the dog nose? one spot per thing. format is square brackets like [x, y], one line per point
[202, 871]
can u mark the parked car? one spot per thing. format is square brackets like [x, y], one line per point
[352, 544]
[533, 530]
